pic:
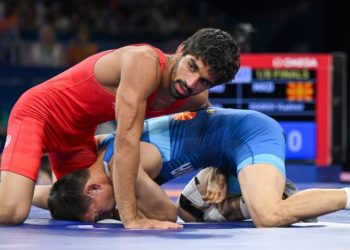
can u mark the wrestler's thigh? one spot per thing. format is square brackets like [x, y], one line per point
[262, 186]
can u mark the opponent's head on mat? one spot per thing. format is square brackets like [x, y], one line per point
[76, 197]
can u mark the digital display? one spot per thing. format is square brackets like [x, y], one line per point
[294, 89]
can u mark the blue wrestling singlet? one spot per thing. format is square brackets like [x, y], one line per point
[224, 138]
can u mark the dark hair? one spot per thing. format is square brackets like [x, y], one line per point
[67, 200]
[217, 49]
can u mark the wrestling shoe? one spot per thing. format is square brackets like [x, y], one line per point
[291, 189]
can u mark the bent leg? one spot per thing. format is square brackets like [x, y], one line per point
[315, 202]
[16, 192]
[262, 186]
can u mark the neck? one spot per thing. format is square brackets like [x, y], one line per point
[98, 168]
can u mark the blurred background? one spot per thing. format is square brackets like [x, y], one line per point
[39, 39]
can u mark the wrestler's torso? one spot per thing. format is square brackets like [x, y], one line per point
[71, 104]
[217, 137]
[189, 141]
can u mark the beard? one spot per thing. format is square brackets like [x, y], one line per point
[174, 93]
[173, 82]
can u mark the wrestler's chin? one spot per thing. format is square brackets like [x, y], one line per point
[174, 94]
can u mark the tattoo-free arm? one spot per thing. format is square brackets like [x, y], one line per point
[138, 77]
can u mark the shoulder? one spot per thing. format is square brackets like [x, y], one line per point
[138, 54]
[128, 64]
[140, 69]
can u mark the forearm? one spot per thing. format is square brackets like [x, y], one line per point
[131, 100]
[41, 194]
[124, 178]
[130, 114]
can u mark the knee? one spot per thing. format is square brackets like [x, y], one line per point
[12, 215]
[268, 216]
[266, 220]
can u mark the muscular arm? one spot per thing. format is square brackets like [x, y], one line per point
[130, 111]
[152, 202]
[138, 76]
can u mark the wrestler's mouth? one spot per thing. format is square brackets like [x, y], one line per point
[182, 90]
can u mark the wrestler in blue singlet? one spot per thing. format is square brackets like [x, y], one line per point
[218, 137]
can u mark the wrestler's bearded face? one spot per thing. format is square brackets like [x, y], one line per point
[189, 76]
[178, 88]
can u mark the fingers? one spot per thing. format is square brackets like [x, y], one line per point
[221, 198]
[214, 196]
[171, 225]
[162, 225]
[152, 224]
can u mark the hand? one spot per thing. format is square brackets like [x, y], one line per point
[151, 224]
[217, 187]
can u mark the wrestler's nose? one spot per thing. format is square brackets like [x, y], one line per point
[193, 81]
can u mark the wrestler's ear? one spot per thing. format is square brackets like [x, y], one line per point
[180, 49]
[91, 189]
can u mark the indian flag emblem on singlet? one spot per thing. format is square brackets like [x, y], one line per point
[184, 116]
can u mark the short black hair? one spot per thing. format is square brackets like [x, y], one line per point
[217, 49]
[67, 200]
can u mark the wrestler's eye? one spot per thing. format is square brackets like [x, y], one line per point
[192, 65]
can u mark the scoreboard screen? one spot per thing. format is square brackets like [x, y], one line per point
[294, 89]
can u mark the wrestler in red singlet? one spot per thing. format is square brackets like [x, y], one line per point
[59, 117]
